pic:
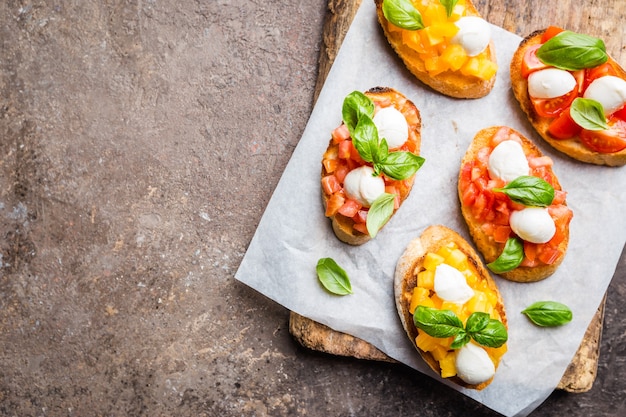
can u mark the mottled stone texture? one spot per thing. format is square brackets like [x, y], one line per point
[139, 144]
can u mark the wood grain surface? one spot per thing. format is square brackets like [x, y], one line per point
[601, 18]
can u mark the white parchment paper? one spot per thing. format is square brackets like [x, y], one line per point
[293, 233]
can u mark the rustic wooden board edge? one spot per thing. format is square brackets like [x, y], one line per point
[581, 372]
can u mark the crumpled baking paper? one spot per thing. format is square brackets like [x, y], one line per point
[293, 233]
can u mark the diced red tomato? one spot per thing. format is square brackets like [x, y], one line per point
[501, 134]
[609, 140]
[550, 33]
[341, 171]
[465, 177]
[501, 233]
[360, 227]
[530, 62]
[333, 204]
[530, 251]
[540, 161]
[340, 133]
[559, 197]
[469, 195]
[350, 208]
[354, 154]
[360, 217]
[330, 165]
[344, 149]
[548, 254]
[564, 127]
[330, 184]
[552, 107]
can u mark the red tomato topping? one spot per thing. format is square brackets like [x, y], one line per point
[333, 204]
[492, 209]
[594, 73]
[620, 114]
[550, 33]
[610, 140]
[350, 208]
[530, 62]
[552, 107]
[564, 127]
[340, 133]
[330, 184]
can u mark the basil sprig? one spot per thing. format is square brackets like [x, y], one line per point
[358, 113]
[379, 213]
[529, 191]
[510, 258]
[403, 14]
[444, 323]
[548, 313]
[333, 277]
[573, 51]
[588, 114]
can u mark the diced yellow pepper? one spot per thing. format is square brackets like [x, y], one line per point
[457, 259]
[439, 352]
[431, 260]
[436, 301]
[455, 55]
[479, 67]
[435, 65]
[413, 40]
[448, 365]
[426, 342]
[434, 13]
[470, 277]
[496, 353]
[426, 279]
[457, 309]
[419, 297]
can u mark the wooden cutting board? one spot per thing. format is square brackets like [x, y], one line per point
[581, 373]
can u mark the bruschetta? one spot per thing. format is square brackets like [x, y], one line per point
[573, 93]
[446, 45]
[369, 166]
[441, 279]
[513, 204]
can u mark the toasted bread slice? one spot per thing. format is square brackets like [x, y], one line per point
[571, 147]
[450, 83]
[481, 225]
[344, 227]
[412, 262]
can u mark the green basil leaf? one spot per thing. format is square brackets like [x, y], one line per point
[573, 51]
[437, 323]
[588, 114]
[510, 258]
[379, 213]
[461, 339]
[449, 5]
[493, 335]
[403, 14]
[333, 277]
[548, 313]
[476, 322]
[529, 191]
[356, 105]
[401, 165]
[365, 139]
